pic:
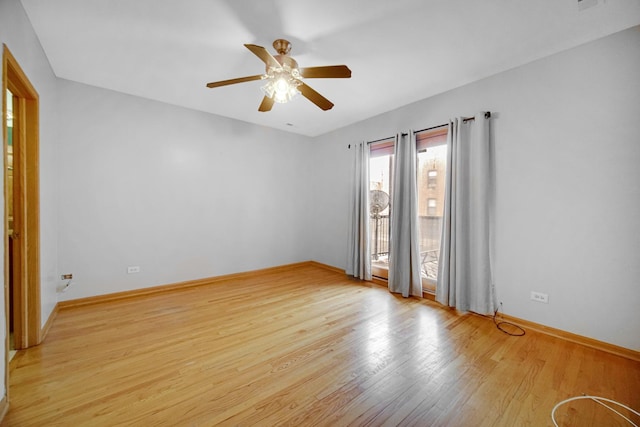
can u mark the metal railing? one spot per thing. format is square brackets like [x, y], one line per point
[430, 231]
[379, 237]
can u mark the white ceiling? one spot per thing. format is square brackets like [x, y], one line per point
[399, 51]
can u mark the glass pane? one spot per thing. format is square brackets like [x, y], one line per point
[380, 172]
[431, 172]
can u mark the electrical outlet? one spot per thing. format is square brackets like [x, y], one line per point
[133, 269]
[66, 276]
[539, 297]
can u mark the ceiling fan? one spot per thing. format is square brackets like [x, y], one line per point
[283, 77]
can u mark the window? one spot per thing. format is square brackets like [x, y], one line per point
[432, 178]
[431, 207]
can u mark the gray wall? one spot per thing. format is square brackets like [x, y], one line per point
[181, 194]
[566, 136]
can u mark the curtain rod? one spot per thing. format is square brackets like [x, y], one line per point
[487, 115]
[381, 139]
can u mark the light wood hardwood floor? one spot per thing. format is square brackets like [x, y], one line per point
[303, 347]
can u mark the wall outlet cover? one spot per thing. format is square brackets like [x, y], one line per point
[540, 297]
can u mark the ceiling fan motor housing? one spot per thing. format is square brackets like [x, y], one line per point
[282, 46]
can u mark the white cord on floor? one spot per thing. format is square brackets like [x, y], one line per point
[596, 399]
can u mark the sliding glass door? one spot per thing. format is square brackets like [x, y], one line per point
[432, 161]
[432, 158]
[380, 184]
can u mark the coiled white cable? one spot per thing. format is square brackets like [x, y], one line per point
[596, 399]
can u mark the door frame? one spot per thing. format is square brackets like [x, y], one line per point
[26, 286]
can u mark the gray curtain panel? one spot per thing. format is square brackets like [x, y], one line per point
[404, 250]
[358, 256]
[464, 271]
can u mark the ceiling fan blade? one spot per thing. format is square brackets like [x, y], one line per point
[263, 54]
[315, 97]
[234, 81]
[328, 72]
[266, 104]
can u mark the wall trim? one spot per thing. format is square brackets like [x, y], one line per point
[45, 329]
[578, 339]
[4, 407]
[326, 267]
[567, 336]
[176, 286]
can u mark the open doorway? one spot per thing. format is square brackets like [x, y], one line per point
[21, 213]
[9, 210]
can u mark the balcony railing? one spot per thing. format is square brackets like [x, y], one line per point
[379, 238]
[430, 231]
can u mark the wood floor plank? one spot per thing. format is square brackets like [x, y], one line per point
[298, 347]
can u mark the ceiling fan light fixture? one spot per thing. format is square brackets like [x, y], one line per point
[282, 85]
